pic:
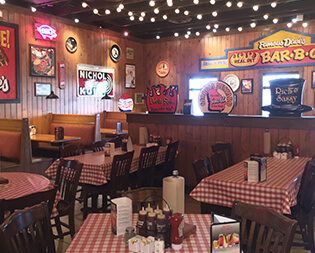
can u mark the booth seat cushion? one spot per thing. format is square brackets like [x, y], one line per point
[10, 145]
[111, 123]
[86, 132]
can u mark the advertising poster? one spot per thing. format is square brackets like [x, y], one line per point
[95, 81]
[9, 63]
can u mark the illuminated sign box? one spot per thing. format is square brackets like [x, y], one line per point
[45, 32]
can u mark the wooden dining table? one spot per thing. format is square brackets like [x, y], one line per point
[50, 138]
[95, 235]
[21, 184]
[97, 167]
[278, 192]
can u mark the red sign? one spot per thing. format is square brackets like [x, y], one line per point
[9, 64]
[45, 32]
[160, 99]
[125, 103]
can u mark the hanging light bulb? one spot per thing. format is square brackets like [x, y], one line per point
[199, 16]
[95, 11]
[132, 18]
[239, 4]
[289, 25]
[227, 29]
[273, 4]
[156, 11]
[121, 6]
[240, 29]
[305, 24]
[152, 20]
[33, 9]
[212, 2]
[196, 1]
[152, 3]
[186, 36]
[275, 20]
[176, 34]
[253, 25]
[142, 14]
[141, 18]
[157, 37]
[214, 30]
[126, 34]
[186, 12]
[169, 3]
[208, 27]
[84, 5]
[177, 11]
[266, 16]
[107, 11]
[214, 13]
[197, 33]
[255, 7]
[164, 16]
[118, 9]
[130, 13]
[229, 4]
[76, 20]
[216, 26]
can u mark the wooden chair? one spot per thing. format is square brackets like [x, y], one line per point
[202, 168]
[72, 149]
[98, 146]
[304, 210]
[11, 205]
[143, 196]
[227, 147]
[27, 230]
[218, 160]
[67, 179]
[263, 229]
[119, 181]
[165, 169]
[147, 160]
[117, 140]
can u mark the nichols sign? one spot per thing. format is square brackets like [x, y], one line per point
[162, 100]
[216, 97]
[281, 48]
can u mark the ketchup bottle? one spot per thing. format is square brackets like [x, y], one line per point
[177, 233]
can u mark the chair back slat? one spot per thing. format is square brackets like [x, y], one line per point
[147, 160]
[72, 149]
[170, 156]
[218, 160]
[119, 178]
[277, 231]
[227, 148]
[202, 168]
[28, 230]
[98, 146]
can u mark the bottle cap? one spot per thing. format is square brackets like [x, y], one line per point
[157, 210]
[177, 246]
[175, 173]
[142, 211]
[151, 214]
[161, 216]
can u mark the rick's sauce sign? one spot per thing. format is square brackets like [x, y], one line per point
[280, 48]
[162, 100]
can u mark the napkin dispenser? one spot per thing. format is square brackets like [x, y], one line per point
[59, 133]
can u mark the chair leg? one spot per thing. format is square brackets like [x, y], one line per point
[85, 202]
[71, 223]
[94, 203]
[310, 233]
[58, 227]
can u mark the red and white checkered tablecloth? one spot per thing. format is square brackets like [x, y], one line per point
[97, 167]
[278, 192]
[22, 184]
[95, 235]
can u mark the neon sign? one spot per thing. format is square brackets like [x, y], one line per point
[45, 32]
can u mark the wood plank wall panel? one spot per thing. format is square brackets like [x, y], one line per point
[93, 49]
[183, 55]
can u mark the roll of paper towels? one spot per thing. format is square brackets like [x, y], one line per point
[174, 193]
[143, 135]
[267, 140]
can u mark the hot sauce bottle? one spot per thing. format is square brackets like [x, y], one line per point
[177, 230]
[141, 224]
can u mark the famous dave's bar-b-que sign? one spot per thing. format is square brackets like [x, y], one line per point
[281, 48]
[216, 98]
[162, 100]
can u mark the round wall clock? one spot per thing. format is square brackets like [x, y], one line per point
[162, 69]
[115, 53]
[233, 81]
[71, 44]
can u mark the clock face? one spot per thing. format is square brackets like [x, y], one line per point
[115, 53]
[233, 81]
[71, 44]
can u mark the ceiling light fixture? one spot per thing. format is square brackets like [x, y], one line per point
[208, 27]
[273, 5]
[152, 20]
[275, 20]
[186, 12]
[52, 95]
[84, 4]
[141, 18]
[197, 33]
[121, 6]
[33, 9]
[126, 34]
[106, 96]
[240, 29]
[214, 30]
[156, 11]
[132, 18]
[239, 4]
[255, 7]
[76, 20]
[199, 16]
[177, 11]
[165, 17]
[176, 34]
[253, 25]
[142, 14]
[152, 3]
[266, 16]
[289, 25]
[212, 2]
[227, 29]
[157, 37]
[196, 1]
[216, 26]
[305, 24]
[228, 4]
[95, 11]
[214, 13]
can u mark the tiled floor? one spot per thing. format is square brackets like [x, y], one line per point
[191, 206]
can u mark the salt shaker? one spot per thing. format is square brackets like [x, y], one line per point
[130, 232]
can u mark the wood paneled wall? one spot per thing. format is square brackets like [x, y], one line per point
[246, 134]
[93, 48]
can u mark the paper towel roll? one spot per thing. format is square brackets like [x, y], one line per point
[267, 140]
[143, 135]
[174, 193]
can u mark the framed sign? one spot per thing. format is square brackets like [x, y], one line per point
[313, 79]
[42, 61]
[71, 45]
[9, 64]
[129, 53]
[130, 76]
[162, 69]
[62, 74]
[247, 85]
[139, 98]
[95, 81]
[42, 89]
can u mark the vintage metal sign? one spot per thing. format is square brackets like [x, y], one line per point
[9, 63]
[95, 81]
[216, 97]
[281, 48]
[162, 100]
[45, 32]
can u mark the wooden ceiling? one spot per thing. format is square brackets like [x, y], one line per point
[232, 17]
